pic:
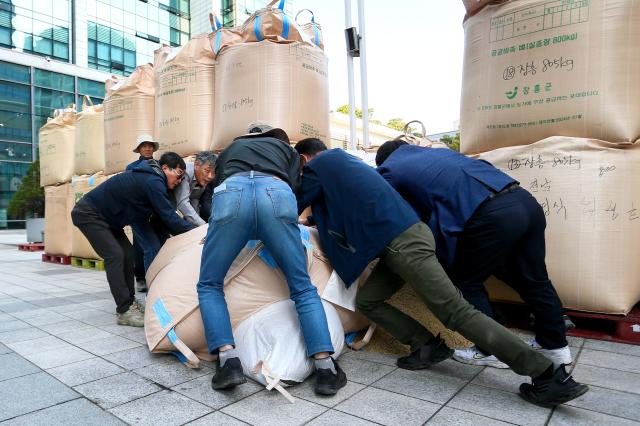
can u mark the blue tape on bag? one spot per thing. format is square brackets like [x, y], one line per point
[216, 47]
[92, 180]
[256, 28]
[165, 319]
[267, 258]
[281, 5]
[305, 236]
[217, 22]
[285, 26]
[350, 337]
[316, 35]
[180, 357]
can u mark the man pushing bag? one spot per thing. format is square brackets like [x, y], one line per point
[254, 199]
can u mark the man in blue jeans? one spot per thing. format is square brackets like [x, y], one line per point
[254, 199]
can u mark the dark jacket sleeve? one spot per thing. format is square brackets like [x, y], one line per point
[157, 194]
[206, 202]
[310, 189]
[294, 170]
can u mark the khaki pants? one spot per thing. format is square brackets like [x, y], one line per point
[411, 258]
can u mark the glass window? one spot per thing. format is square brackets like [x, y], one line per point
[90, 87]
[61, 50]
[141, 9]
[104, 34]
[42, 29]
[92, 31]
[46, 100]
[45, 7]
[61, 9]
[43, 46]
[91, 46]
[116, 38]
[16, 126]
[27, 4]
[102, 10]
[61, 34]
[91, 8]
[130, 58]
[22, 23]
[129, 20]
[103, 51]
[184, 6]
[117, 54]
[129, 42]
[14, 72]
[53, 80]
[117, 15]
[141, 24]
[153, 28]
[14, 97]
[184, 25]
[15, 151]
[22, 41]
[5, 37]
[175, 36]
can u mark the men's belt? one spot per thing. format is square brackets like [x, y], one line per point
[254, 173]
[509, 188]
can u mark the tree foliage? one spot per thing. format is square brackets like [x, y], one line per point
[396, 123]
[345, 110]
[29, 199]
[452, 142]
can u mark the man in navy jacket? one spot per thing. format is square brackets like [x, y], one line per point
[145, 146]
[361, 217]
[129, 198]
[484, 224]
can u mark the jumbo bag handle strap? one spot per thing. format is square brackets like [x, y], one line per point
[285, 21]
[216, 26]
[316, 32]
[408, 137]
[86, 98]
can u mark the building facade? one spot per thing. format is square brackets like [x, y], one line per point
[53, 52]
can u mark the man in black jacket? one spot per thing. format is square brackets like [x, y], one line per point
[129, 198]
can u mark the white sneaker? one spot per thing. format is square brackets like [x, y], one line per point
[474, 357]
[557, 356]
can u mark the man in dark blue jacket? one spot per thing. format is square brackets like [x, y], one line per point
[129, 198]
[361, 217]
[484, 224]
[145, 146]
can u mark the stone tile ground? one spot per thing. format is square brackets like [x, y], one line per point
[64, 361]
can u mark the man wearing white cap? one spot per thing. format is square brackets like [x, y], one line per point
[145, 146]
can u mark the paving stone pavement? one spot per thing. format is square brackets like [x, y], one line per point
[64, 361]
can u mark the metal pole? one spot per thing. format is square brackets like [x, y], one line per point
[363, 75]
[352, 91]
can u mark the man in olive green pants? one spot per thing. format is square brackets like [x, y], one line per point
[360, 217]
[411, 258]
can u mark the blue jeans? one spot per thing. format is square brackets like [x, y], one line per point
[150, 236]
[257, 207]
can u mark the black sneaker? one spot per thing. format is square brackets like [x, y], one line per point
[432, 352]
[229, 375]
[554, 390]
[328, 383]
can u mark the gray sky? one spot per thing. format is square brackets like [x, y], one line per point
[414, 61]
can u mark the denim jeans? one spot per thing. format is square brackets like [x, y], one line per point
[150, 236]
[257, 207]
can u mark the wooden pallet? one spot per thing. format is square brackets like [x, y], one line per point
[612, 328]
[31, 247]
[95, 264]
[53, 258]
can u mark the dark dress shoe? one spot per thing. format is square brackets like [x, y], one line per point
[229, 375]
[432, 352]
[554, 390]
[328, 382]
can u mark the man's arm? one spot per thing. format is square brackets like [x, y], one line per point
[182, 193]
[157, 195]
[310, 189]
